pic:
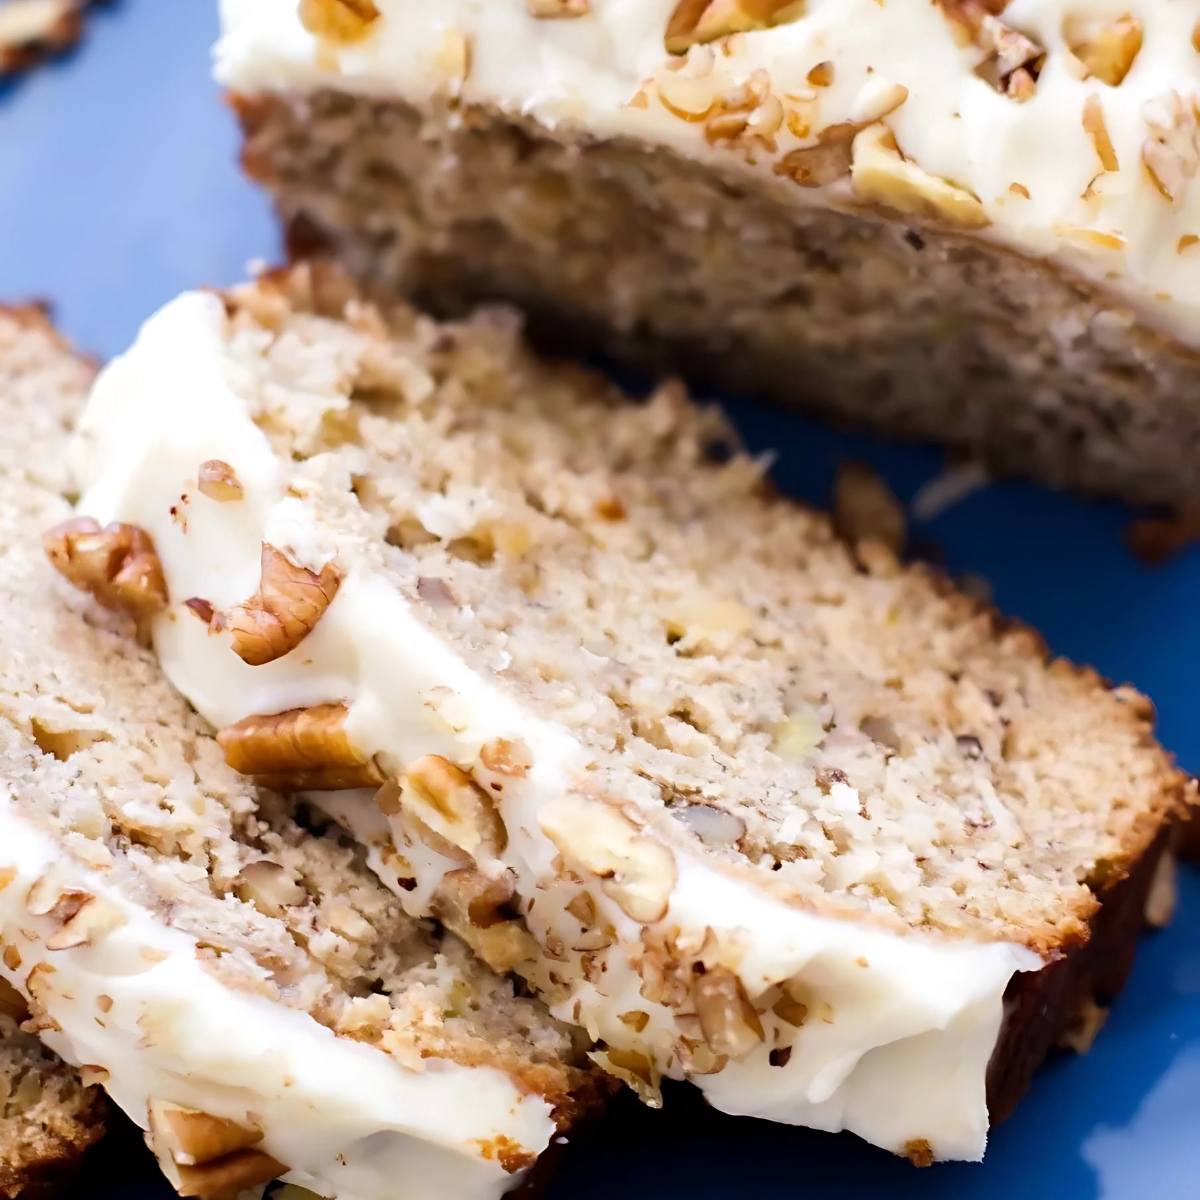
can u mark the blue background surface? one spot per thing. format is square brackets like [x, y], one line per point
[119, 188]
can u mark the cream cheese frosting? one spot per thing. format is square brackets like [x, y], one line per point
[1083, 153]
[137, 1003]
[903, 1025]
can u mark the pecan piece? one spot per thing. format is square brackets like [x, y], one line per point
[218, 481]
[731, 1027]
[117, 564]
[205, 1156]
[880, 174]
[557, 8]
[303, 749]
[287, 606]
[447, 800]
[471, 905]
[694, 22]
[338, 20]
[637, 872]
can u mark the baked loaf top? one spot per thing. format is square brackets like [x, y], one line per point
[1061, 129]
[767, 803]
[241, 984]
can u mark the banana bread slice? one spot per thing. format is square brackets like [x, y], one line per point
[775, 813]
[972, 221]
[240, 983]
[47, 1117]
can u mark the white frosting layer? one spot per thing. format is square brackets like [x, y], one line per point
[1035, 169]
[348, 1119]
[905, 1025]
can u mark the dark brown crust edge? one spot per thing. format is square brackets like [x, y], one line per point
[1043, 1006]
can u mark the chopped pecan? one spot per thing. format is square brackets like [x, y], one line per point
[694, 22]
[117, 564]
[731, 1026]
[338, 20]
[637, 872]
[447, 800]
[205, 1156]
[471, 905]
[303, 749]
[217, 481]
[1107, 49]
[557, 8]
[287, 606]
[882, 175]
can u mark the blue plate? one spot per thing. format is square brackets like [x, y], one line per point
[119, 188]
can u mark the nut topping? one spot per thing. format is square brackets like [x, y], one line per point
[557, 8]
[882, 175]
[1171, 152]
[447, 800]
[86, 925]
[1097, 130]
[338, 20]
[697, 21]
[638, 873]
[287, 606]
[822, 164]
[1108, 50]
[206, 1156]
[634, 1069]
[470, 905]
[217, 481]
[303, 749]
[504, 757]
[117, 564]
[730, 1024]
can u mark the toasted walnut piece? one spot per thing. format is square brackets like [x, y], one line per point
[217, 481]
[338, 20]
[881, 175]
[638, 873]
[504, 757]
[12, 1003]
[267, 886]
[303, 749]
[87, 925]
[730, 1024]
[1107, 50]
[697, 21]
[557, 8]
[502, 942]
[634, 1069]
[447, 800]
[117, 564]
[865, 509]
[286, 608]
[1097, 130]
[822, 164]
